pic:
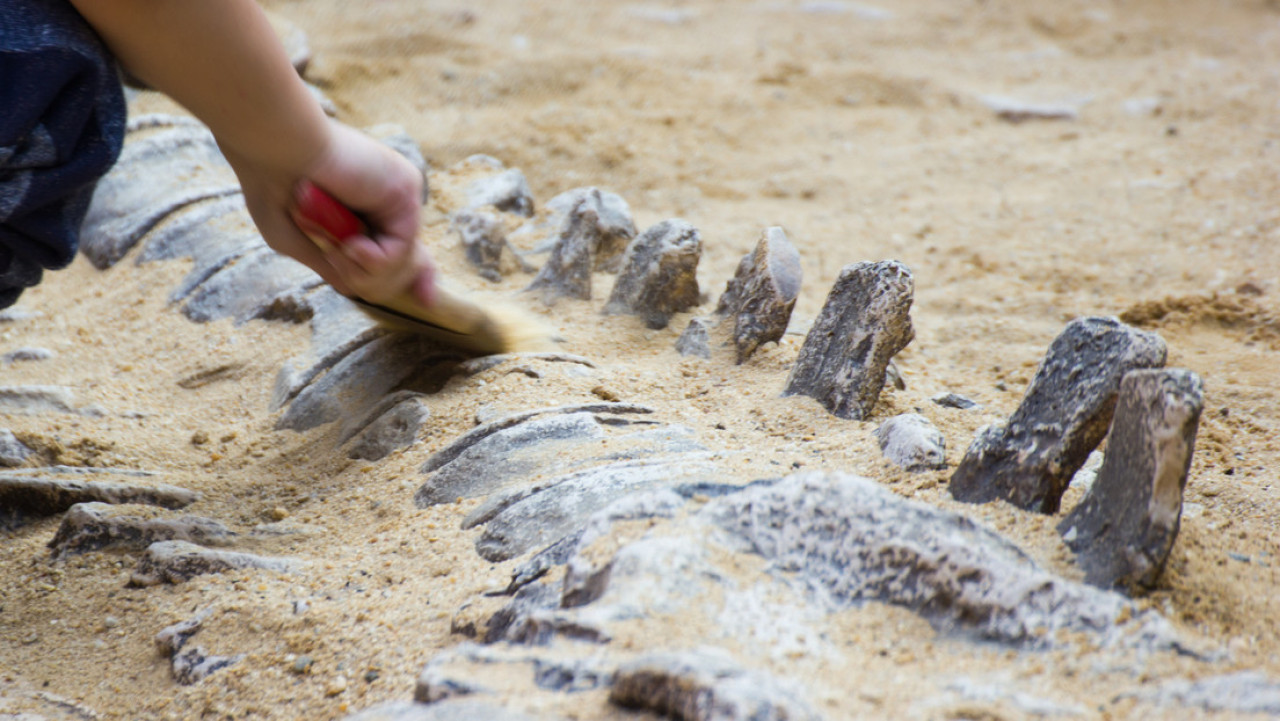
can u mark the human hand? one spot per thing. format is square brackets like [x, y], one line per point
[373, 181]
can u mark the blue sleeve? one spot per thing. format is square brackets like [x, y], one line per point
[61, 129]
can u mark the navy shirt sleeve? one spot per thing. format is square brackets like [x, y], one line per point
[61, 129]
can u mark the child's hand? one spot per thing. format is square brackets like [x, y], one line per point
[370, 179]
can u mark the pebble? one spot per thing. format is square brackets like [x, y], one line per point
[302, 664]
[336, 686]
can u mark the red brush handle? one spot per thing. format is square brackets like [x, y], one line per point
[318, 213]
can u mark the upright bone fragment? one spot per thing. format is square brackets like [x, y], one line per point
[762, 293]
[568, 270]
[1061, 419]
[482, 240]
[864, 323]
[1125, 527]
[659, 274]
[617, 228]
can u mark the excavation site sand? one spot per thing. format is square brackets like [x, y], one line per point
[1136, 176]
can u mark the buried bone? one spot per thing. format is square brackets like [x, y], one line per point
[1064, 415]
[1124, 529]
[865, 321]
[659, 274]
[762, 293]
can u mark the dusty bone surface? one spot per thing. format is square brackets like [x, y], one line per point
[1124, 529]
[1065, 413]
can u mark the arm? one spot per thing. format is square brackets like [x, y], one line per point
[221, 60]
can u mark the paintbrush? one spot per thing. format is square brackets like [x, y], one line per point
[451, 318]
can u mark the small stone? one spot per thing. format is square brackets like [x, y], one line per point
[955, 400]
[278, 513]
[507, 191]
[659, 274]
[178, 561]
[911, 441]
[190, 665]
[1125, 527]
[37, 399]
[20, 355]
[762, 293]
[336, 686]
[1063, 416]
[371, 675]
[302, 664]
[696, 339]
[865, 321]
[1016, 111]
[13, 452]
[568, 271]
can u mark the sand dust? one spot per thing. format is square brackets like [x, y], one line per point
[865, 134]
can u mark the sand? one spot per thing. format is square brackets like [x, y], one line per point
[868, 133]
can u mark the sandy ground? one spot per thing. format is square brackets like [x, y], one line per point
[863, 131]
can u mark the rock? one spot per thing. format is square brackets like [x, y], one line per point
[1061, 419]
[483, 241]
[613, 218]
[20, 355]
[893, 377]
[356, 383]
[865, 321]
[395, 424]
[178, 561]
[27, 497]
[706, 685]
[338, 328]
[243, 289]
[13, 453]
[212, 233]
[659, 274]
[34, 400]
[449, 710]
[176, 165]
[1017, 111]
[190, 665]
[857, 542]
[507, 191]
[97, 526]
[568, 271]
[1124, 529]
[479, 433]
[1242, 692]
[567, 502]
[762, 293]
[911, 441]
[955, 400]
[696, 339]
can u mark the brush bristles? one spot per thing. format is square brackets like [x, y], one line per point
[515, 330]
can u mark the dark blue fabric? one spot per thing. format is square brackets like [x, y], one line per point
[62, 116]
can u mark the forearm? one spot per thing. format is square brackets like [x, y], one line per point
[220, 59]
